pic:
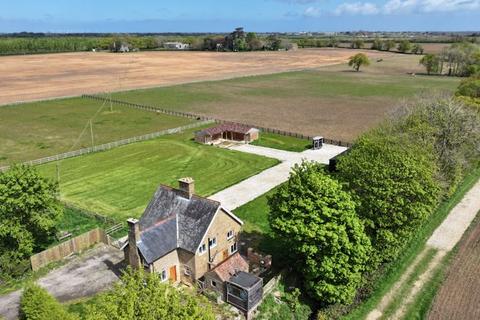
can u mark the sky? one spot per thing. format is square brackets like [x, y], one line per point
[224, 15]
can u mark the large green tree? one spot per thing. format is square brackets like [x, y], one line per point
[394, 181]
[29, 212]
[143, 296]
[404, 46]
[317, 219]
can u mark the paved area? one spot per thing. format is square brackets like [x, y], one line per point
[253, 187]
[443, 239]
[82, 277]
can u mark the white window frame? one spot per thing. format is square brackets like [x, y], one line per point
[213, 242]
[202, 249]
[230, 234]
[186, 270]
[231, 246]
[163, 275]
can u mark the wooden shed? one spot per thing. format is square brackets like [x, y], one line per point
[227, 131]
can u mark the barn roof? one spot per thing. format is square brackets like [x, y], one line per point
[230, 127]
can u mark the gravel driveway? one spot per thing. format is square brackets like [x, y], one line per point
[253, 187]
[84, 276]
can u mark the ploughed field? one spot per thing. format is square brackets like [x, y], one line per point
[34, 77]
[39, 129]
[459, 295]
[331, 101]
[120, 182]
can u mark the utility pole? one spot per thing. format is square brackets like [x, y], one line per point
[91, 133]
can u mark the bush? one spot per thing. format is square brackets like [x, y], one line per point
[37, 304]
[317, 219]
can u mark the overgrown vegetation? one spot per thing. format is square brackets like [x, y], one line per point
[139, 295]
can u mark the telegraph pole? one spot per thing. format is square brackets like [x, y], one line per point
[91, 133]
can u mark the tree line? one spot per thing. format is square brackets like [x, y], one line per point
[342, 227]
[459, 59]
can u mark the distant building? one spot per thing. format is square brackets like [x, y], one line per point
[176, 45]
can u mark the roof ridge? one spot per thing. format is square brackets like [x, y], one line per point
[194, 195]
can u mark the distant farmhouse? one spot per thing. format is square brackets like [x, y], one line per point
[193, 240]
[176, 46]
[227, 131]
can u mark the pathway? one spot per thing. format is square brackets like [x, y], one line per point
[84, 276]
[443, 239]
[253, 187]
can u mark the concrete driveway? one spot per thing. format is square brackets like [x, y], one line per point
[84, 276]
[253, 187]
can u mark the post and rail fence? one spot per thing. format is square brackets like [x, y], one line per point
[202, 117]
[111, 145]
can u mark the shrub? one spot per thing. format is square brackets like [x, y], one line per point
[37, 304]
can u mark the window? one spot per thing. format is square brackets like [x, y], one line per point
[233, 248]
[230, 234]
[163, 275]
[214, 283]
[187, 271]
[202, 249]
[212, 242]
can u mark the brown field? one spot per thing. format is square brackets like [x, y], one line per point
[34, 77]
[459, 295]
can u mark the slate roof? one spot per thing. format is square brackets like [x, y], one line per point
[230, 127]
[172, 221]
[230, 267]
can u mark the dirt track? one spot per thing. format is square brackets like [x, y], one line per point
[34, 77]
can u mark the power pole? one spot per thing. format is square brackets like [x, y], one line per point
[91, 133]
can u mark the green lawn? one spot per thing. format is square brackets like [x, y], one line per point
[39, 129]
[120, 182]
[277, 141]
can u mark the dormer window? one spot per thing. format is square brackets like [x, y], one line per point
[212, 242]
[202, 249]
[230, 234]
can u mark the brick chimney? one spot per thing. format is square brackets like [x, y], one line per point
[132, 256]
[187, 187]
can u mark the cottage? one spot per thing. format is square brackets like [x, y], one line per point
[227, 131]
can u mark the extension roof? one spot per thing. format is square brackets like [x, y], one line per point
[172, 221]
[228, 268]
[245, 280]
[227, 127]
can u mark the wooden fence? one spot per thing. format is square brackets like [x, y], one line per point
[74, 245]
[201, 117]
[111, 145]
[270, 285]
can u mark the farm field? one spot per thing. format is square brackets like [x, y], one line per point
[35, 77]
[332, 101]
[35, 130]
[458, 296]
[120, 182]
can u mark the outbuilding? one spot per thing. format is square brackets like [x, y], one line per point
[227, 131]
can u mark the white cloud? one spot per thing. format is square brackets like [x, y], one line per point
[312, 12]
[449, 5]
[357, 8]
[399, 6]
